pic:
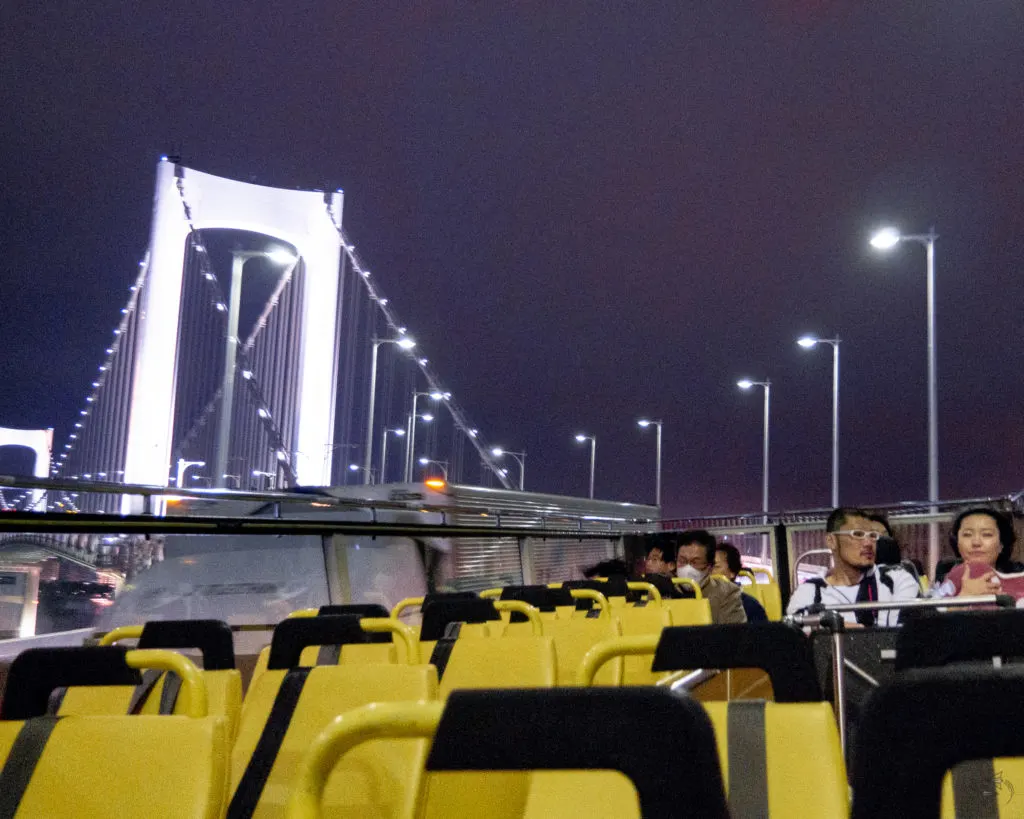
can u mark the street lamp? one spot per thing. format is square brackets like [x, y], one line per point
[384, 450]
[807, 342]
[442, 465]
[520, 458]
[410, 441]
[278, 255]
[259, 473]
[746, 384]
[405, 343]
[368, 478]
[580, 438]
[410, 434]
[183, 467]
[643, 423]
[886, 239]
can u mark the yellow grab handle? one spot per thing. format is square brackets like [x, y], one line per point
[121, 633]
[488, 594]
[305, 613]
[402, 605]
[747, 573]
[609, 649]
[532, 613]
[554, 585]
[759, 570]
[650, 588]
[391, 720]
[192, 683]
[596, 596]
[400, 631]
[685, 581]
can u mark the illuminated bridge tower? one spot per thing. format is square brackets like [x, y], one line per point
[197, 379]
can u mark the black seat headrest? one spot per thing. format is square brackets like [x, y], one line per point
[925, 642]
[291, 636]
[437, 614]
[781, 650]
[36, 672]
[212, 637]
[362, 609]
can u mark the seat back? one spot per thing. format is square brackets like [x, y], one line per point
[899, 731]
[649, 619]
[770, 594]
[688, 611]
[542, 730]
[157, 692]
[288, 706]
[977, 786]
[573, 638]
[781, 760]
[96, 766]
[438, 614]
[510, 662]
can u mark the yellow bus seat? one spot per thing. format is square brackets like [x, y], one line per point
[157, 692]
[97, 766]
[511, 662]
[567, 730]
[287, 707]
[688, 611]
[637, 621]
[771, 595]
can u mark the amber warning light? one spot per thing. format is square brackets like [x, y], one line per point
[435, 483]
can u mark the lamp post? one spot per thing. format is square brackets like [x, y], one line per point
[183, 467]
[405, 343]
[368, 477]
[234, 305]
[886, 239]
[519, 457]
[259, 473]
[643, 423]
[580, 438]
[807, 342]
[384, 450]
[746, 384]
[410, 440]
[442, 465]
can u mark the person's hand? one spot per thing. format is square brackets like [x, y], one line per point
[986, 583]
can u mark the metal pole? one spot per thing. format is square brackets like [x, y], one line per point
[839, 683]
[522, 472]
[835, 423]
[230, 360]
[410, 440]
[593, 450]
[368, 455]
[657, 468]
[933, 430]
[383, 453]
[764, 486]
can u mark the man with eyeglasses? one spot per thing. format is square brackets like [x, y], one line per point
[852, 536]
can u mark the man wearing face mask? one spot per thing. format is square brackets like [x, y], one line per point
[695, 558]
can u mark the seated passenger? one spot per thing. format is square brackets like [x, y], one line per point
[982, 539]
[661, 556]
[695, 557]
[852, 535]
[729, 565]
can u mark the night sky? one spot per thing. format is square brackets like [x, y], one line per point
[586, 213]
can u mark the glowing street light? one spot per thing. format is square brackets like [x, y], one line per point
[519, 457]
[643, 423]
[580, 438]
[405, 343]
[886, 239]
[410, 430]
[183, 467]
[809, 342]
[746, 384]
[442, 465]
